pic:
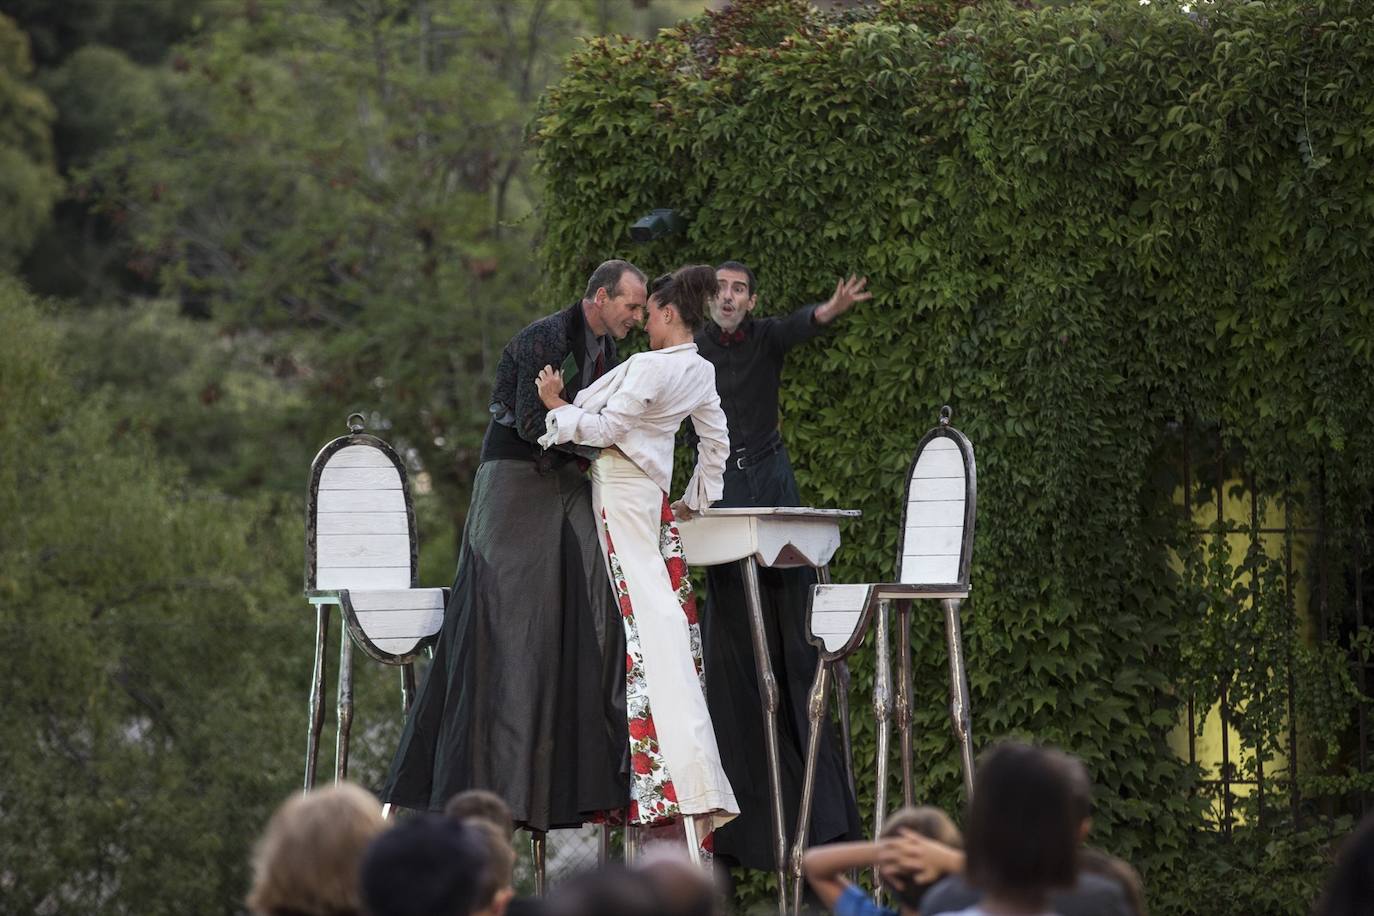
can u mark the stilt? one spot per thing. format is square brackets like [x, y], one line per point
[689, 825]
[537, 851]
[768, 694]
[407, 686]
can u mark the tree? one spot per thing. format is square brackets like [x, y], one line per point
[28, 177]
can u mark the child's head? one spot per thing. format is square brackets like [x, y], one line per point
[928, 822]
[1024, 823]
[479, 803]
[495, 888]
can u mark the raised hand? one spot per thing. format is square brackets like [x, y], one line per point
[847, 293]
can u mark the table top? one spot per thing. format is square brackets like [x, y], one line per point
[787, 511]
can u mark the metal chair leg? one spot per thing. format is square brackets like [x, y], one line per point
[345, 704]
[904, 694]
[815, 712]
[846, 733]
[316, 721]
[538, 840]
[407, 686]
[882, 710]
[959, 712]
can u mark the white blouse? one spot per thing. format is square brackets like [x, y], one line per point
[639, 405]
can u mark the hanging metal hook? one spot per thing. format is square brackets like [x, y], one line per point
[358, 425]
[945, 413]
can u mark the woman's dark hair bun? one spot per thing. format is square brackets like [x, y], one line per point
[690, 290]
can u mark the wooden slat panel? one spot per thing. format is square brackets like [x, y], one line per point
[359, 456]
[931, 541]
[360, 501]
[936, 513]
[835, 622]
[930, 570]
[928, 488]
[942, 463]
[360, 550]
[362, 523]
[334, 478]
[373, 578]
[415, 624]
[941, 444]
[399, 599]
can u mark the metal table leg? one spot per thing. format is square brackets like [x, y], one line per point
[815, 711]
[904, 694]
[768, 694]
[958, 689]
[316, 720]
[345, 704]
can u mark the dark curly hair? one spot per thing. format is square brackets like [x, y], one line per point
[690, 290]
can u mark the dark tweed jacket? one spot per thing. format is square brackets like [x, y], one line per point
[546, 342]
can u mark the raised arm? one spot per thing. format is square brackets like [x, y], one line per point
[824, 867]
[810, 320]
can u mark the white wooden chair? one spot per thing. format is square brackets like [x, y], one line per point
[934, 551]
[360, 555]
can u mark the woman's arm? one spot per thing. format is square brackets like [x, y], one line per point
[605, 427]
[713, 447]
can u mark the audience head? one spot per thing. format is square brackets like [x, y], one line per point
[1023, 824]
[680, 305]
[614, 299]
[307, 861]
[736, 295]
[682, 889]
[928, 822]
[482, 805]
[1097, 862]
[1350, 887]
[610, 891]
[425, 866]
[496, 888]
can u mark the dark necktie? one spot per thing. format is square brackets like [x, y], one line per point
[600, 366]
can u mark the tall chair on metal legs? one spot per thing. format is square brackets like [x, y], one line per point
[360, 556]
[934, 552]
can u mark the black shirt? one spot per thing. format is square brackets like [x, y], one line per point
[748, 365]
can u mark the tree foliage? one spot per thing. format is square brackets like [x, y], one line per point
[28, 177]
[1086, 224]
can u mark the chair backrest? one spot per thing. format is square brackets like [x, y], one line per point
[360, 525]
[936, 542]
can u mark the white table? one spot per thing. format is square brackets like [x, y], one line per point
[779, 538]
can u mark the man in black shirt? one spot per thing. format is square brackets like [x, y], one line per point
[748, 354]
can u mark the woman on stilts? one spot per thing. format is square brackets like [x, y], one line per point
[632, 414]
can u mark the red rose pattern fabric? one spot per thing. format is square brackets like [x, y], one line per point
[653, 798]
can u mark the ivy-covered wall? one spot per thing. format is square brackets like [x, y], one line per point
[1087, 226]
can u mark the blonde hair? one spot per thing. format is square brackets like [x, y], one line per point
[307, 859]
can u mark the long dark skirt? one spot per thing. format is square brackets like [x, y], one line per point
[733, 697]
[526, 692]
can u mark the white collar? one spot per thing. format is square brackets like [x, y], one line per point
[689, 345]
